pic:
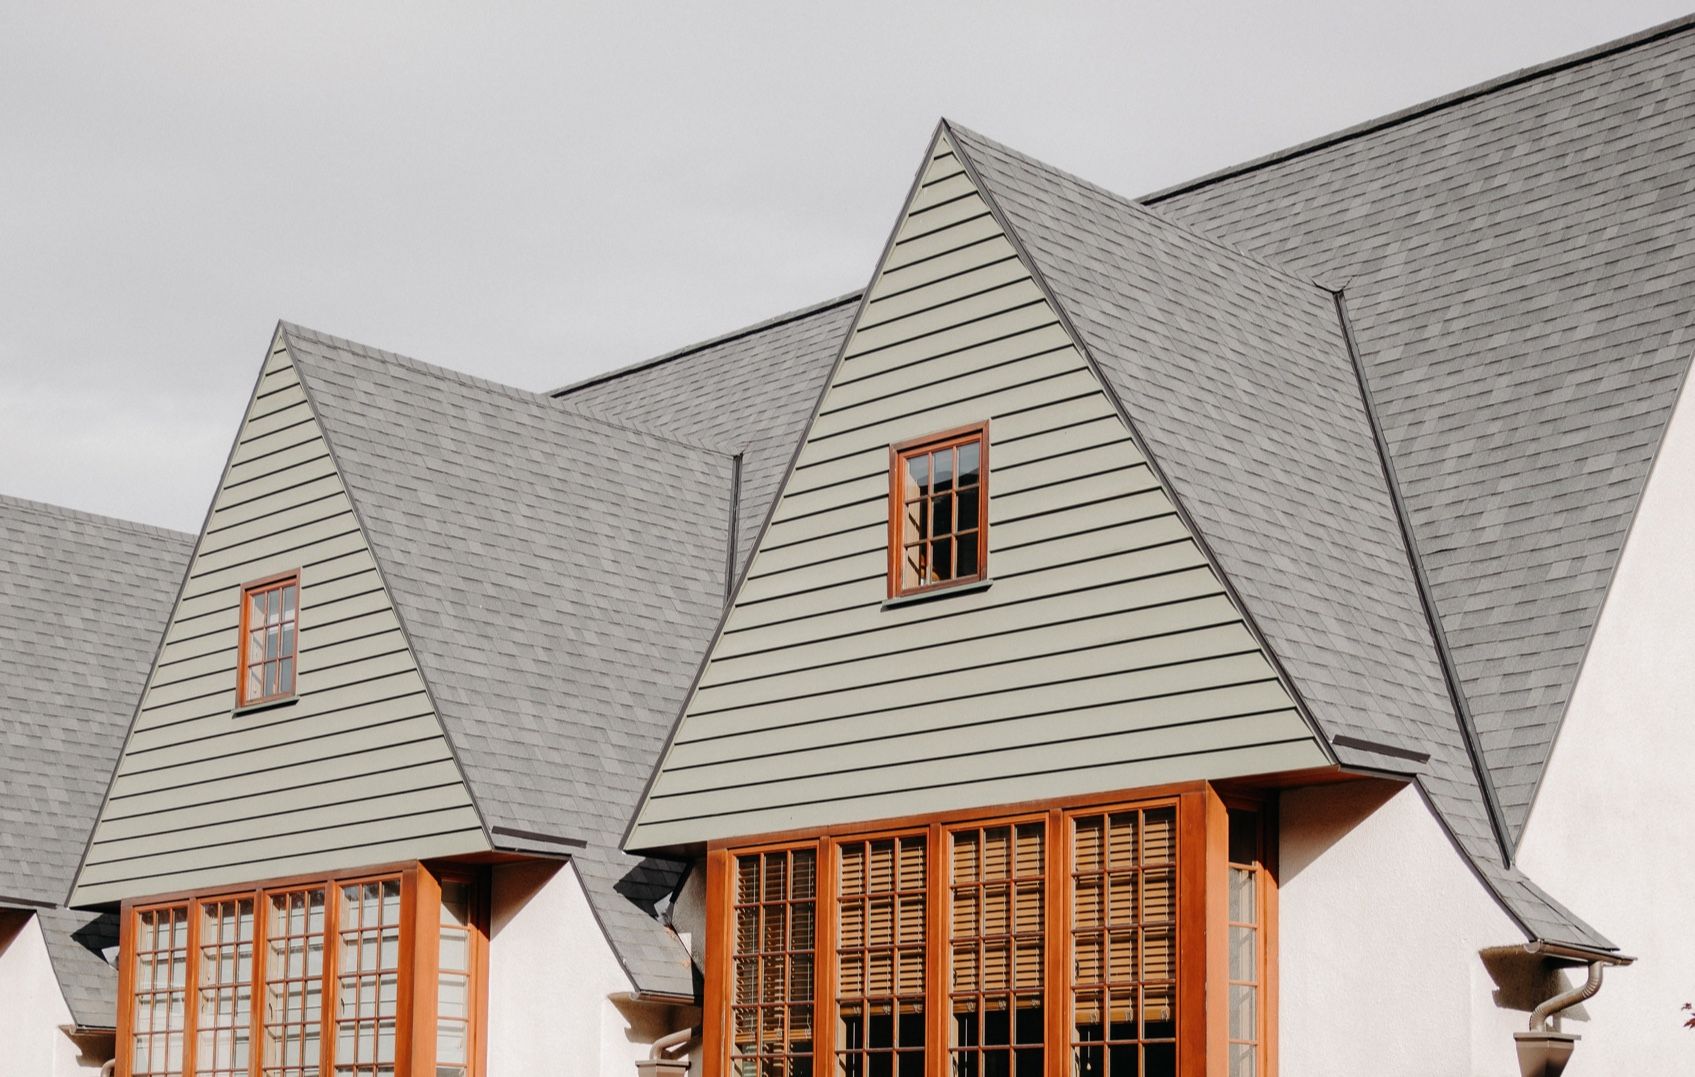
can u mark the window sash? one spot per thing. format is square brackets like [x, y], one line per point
[268, 642]
[934, 528]
[1195, 1000]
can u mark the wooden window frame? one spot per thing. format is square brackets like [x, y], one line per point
[261, 586]
[898, 455]
[1202, 956]
[420, 895]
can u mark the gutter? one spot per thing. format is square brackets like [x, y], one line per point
[1544, 1051]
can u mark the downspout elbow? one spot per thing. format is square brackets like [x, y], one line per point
[683, 1037]
[1540, 1016]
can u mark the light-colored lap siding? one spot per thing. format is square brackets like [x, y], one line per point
[355, 771]
[1104, 655]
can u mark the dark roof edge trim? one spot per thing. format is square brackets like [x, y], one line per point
[712, 342]
[1345, 741]
[860, 299]
[306, 391]
[1425, 108]
[1154, 465]
[1444, 654]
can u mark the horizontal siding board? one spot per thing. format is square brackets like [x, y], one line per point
[1101, 775]
[280, 525]
[310, 490]
[292, 542]
[263, 472]
[1104, 654]
[943, 190]
[207, 834]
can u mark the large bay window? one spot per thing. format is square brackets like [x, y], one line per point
[371, 974]
[1109, 937]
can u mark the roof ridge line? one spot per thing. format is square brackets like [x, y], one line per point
[1249, 621]
[53, 509]
[1421, 583]
[1140, 207]
[711, 342]
[293, 330]
[1426, 107]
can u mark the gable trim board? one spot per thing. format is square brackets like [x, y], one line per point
[164, 844]
[1008, 294]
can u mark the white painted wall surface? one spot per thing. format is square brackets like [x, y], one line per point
[1381, 923]
[552, 982]
[1612, 830]
[32, 1043]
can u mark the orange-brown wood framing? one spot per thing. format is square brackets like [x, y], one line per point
[898, 452]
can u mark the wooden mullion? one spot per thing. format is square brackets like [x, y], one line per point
[824, 955]
[327, 992]
[718, 988]
[414, 1006]
[1268, 940]
[191, 983]
[938, 953]
[124, 1040]
[256, 986]
[1056, 986]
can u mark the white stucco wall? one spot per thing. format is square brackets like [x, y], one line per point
[552, 982]
[1380, 927]
[33, 1013]
[1612, 831]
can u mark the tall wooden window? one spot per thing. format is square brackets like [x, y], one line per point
[939, 511]
[880, 943]
[306, 979]
[775, 944]
[1124, 943]
[270, 611]
[996, 896]
[1067, 941]
[1247, 886]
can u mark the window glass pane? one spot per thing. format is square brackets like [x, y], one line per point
[917, 476]
[969, 454]
[968, 506]
[966, 555]
[941, 560]
[942, 464]
[1243, 884]
[941, 516]
[293, 999]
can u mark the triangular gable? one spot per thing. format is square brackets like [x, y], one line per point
[357, 770]
[1106, 654]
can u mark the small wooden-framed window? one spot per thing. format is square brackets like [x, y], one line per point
[269, 641]
[1251, 939]
[939, 510]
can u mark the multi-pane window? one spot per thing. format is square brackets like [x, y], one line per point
[938, 511]
[224, 991]
[270, 611]
[158, 1014]
[1067, 940]
[1246, 942]
[996, 890]
[306, 980]
[1124, 943]
[457, 960]
[775, 943]
[880, 929]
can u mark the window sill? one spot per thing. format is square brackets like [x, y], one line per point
[269, 704]
[972, 588]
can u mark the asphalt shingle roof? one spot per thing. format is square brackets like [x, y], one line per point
[83, 599]
[1518, 261]
[558, 576]
[1238, 378]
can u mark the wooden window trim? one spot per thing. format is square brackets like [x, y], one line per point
[1201, 956]
[415, 1002]
[898, 452]
[263, 584]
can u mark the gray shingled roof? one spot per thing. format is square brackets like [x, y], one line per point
[1519, 260]
[1237, 377]
[83, 600]
[558, 575]
[750, 391]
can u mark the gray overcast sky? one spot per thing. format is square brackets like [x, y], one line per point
[534, 193]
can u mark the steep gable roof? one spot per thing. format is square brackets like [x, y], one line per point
[551, 570]
[1518, 259]
[1238, 376]
[82, 601]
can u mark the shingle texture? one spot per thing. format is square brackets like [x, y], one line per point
[1237, 376]
[558, 576]
[83, 599]
[751, 393]
[1518, 264]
